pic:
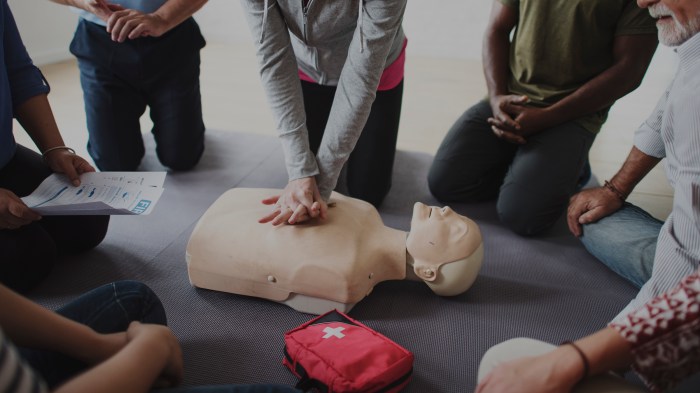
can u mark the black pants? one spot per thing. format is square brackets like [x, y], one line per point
[29, 253]
[532, 182]
[371, 162]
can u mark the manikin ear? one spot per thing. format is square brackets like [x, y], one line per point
[452, 278]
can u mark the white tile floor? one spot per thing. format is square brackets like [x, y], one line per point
[437, 91]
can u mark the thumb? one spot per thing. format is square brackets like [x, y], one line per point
[523, 99]
[71, 173]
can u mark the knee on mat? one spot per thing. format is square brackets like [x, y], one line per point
[118, 164]
[441, 183]
[524, 220]
[93, 230]
[373, 196]
[29, 263]
[28, 273]
[179, 159]
[140, 302]
[444, 188]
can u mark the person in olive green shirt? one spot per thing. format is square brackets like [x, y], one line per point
[550, 89]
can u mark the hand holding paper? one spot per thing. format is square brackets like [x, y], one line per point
[99, 193]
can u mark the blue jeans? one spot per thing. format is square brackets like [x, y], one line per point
[120, 80]
[625, 241]
[107, 309]
[110, 309]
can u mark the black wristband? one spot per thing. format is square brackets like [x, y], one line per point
[584, 359]
[615, 191]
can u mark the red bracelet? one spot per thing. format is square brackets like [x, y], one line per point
[615, 191]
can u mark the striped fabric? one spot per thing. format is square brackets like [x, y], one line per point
[15, 375]
[673, 132]
[664, 335]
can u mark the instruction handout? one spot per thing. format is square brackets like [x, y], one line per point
[99, 193]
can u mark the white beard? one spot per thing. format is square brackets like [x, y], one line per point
[674, 34]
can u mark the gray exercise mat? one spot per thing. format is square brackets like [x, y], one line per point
[548, 288]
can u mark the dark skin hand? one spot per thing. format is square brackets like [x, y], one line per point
[514, 120]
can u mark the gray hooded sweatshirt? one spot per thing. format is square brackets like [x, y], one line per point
[343, 43]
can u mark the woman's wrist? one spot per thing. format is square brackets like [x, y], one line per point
[99, 347]
[50, 150]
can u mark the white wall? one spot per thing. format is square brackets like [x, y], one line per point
[46, 28]
[444, 28]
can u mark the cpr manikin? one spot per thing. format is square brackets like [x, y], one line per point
[333, 263]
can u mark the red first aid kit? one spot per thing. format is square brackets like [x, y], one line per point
[334, 353]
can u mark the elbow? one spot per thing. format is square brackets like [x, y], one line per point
[631, 77]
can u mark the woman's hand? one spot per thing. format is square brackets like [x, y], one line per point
[300, 201]
[14, 213]
[100, 347]
[68, 163]
[172, 372]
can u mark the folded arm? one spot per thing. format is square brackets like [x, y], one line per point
[129, 361]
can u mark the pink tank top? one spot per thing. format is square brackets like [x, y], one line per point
[391, 76]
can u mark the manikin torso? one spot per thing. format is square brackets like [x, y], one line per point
[312, 267]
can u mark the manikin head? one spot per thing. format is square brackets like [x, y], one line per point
[446, 249]
[677, 20]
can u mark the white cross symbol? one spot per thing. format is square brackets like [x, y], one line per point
[330, 332]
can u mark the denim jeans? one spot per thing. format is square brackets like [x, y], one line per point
[121, 79]
[625, 241]
[110, 309]
[107, 309]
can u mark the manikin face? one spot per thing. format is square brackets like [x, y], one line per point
[677, 20]
[439, 235]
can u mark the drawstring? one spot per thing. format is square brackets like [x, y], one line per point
[362, 35]
[262, 29]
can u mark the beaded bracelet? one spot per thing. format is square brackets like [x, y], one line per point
[49, 150]
[615, 191]
[584, 359]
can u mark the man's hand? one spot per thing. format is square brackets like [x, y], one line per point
[133, 24]
[505, 108]
[72, 165]
[13, 212]
[300, 201]
[590, 206]
[513, 121]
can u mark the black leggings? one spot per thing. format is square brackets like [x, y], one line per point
[371, 162]
[29, 253]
